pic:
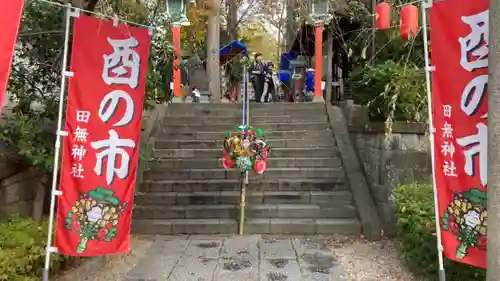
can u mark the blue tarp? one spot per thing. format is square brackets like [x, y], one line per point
[232, 50]
[310, 79]
[285, 59]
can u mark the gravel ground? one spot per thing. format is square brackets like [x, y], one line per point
[372, 261]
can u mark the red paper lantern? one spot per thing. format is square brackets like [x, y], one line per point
[383, 16]
[409, 21]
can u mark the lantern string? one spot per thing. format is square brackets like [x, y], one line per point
[98, 14]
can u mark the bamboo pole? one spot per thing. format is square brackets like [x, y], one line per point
[242, 204]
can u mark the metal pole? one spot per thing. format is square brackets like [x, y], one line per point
[247, 97]
[57, 145]
[493, 243]
[428, 70]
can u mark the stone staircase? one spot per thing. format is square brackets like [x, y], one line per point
[304, 190]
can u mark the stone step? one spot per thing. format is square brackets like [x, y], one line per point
[221, 173]
[207, 109]
[175, 128]
[237, 113]
[253, 185]
[232, 121]
[231, 211]
[327, 198]
[252, 226]
[212, 163]
[274, 143]
[224, 106]
[217, 153]
[300, 211]
[219, 135]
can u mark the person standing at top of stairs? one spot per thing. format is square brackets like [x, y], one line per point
[258, 76]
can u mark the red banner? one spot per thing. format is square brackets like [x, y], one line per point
[9, 21]
[459, 36]
[100, 154]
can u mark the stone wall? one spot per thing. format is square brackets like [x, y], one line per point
[20, 194]
[389, 158]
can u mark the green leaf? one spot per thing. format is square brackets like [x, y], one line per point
[112, 232]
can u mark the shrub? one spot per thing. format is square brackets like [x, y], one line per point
[392, 91]
[22, 250]
[416, 230]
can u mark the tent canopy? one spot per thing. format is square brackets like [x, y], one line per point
[232, 50]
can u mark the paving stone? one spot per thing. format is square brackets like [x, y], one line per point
[311, 244]
[239, 259]
[199, 269]
[206, 249]
[159, 261]
[280, 270]
[276, 249]
[320, 265]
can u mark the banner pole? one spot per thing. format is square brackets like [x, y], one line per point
[247, 97]
[428, 69]
[57, 145]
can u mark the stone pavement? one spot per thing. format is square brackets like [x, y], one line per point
[236, 258]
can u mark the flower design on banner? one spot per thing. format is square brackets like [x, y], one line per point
[95, 216]
[246, 150]
[465, 218]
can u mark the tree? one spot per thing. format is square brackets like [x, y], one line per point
[213, 45]
[28, 127]
[258, 39]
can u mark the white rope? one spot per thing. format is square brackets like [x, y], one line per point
[99, 14]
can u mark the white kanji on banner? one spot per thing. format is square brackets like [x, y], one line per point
[111, 148]
[476, 145]
[124, 63]
[109, 105]
[474, 47]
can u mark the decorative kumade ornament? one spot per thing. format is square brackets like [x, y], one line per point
[246, 149]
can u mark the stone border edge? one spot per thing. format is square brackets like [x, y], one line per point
[369, 217]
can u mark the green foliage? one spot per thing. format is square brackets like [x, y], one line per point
[391, 91]
[22, 250]
[34, 83]
[389, 80]
[416, 229]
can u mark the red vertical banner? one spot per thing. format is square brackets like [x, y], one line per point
[101, 151]
[9, 21]
[459, 36]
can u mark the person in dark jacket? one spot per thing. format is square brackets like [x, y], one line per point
[269, 86]
[258, 76]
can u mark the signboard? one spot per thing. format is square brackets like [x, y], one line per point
[459, 35]
[101, 151]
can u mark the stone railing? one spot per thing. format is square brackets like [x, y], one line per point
[390, 154]
[152, 122]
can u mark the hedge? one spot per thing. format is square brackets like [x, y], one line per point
[416, 231]
[22, 250]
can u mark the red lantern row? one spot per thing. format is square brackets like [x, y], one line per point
[408, 25]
